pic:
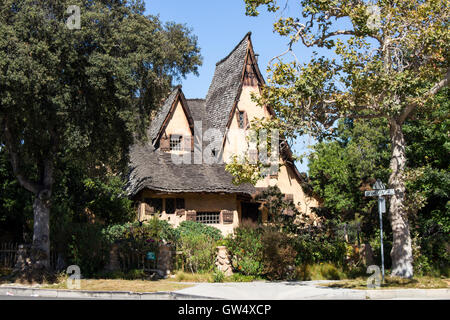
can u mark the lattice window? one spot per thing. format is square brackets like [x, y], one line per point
[208, 217]
[175, 143]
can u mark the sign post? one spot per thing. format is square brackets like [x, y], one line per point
[380, 191]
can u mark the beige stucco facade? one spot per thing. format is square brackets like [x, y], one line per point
[228, 209]
[236, 144]
[199, 202]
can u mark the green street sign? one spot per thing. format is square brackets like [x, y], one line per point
[151, 256]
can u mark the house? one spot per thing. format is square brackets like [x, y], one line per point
[180, 173]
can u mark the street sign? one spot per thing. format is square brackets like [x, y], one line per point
[379, 185]
[379, 193]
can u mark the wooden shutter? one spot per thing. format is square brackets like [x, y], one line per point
[149, 210]
[227, 216]
[191, 215]
[164, 143]
[245, 120]
[187, 142]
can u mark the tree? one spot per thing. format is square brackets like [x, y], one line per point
[84, 93]
[391, 58]
[342, 167]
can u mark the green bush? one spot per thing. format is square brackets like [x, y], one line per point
[218, 276]
[246, 249]
[191, 227]
[319, 248]
[278, 255]
[88, 248]
[198, 252]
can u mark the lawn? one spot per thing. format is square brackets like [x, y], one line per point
[393, 283]
[123, 285]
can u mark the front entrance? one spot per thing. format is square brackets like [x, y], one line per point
[250, 211]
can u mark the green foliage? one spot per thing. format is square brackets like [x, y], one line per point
[87, 248]
[80, 97]
[281, 212]
[246, 249]
[279, 255]
[320, 271]
[319, 248]
[198, 244]
[16, 211]
[341, 168]
[107, 200]
[218, 276]
[198, 252]
[190, 227]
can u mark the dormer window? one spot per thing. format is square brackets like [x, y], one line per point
[175, 142]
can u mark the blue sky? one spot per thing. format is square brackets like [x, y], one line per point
[219, 26]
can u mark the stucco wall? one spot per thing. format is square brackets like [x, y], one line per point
[200, 202]
[178, 124]
[286, 180]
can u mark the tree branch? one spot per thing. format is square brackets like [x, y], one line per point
[15, 163]
[435, 89]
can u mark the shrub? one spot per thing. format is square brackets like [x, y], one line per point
[218, 276]
[246, 249]
[191, 227]
[198, 252]
[136, 239]
[279, 255]
[88, 248]
[319, 248]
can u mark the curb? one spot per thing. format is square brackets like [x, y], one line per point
[401, 294]
[84, 294]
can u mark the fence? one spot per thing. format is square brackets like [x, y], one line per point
[8, 254]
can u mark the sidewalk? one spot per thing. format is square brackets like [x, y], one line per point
[305, 290]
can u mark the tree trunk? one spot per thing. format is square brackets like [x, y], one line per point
[40, 252]
[401, 252]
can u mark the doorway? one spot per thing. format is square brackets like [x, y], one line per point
[250, 211]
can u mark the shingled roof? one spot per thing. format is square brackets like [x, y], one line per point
[158, 121]
[225, 86]
[155, 170]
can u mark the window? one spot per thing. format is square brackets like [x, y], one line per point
[175, 142]
[241, 119]
[170, 206]
[208, 217]
[155, 203]
[180, 203]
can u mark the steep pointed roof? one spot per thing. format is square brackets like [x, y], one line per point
[225, 86]
[161, 116]
[158, 123]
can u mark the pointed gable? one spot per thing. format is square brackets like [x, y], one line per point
[225, 86]
[175, 105]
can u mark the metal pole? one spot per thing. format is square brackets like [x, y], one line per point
[380, 199]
